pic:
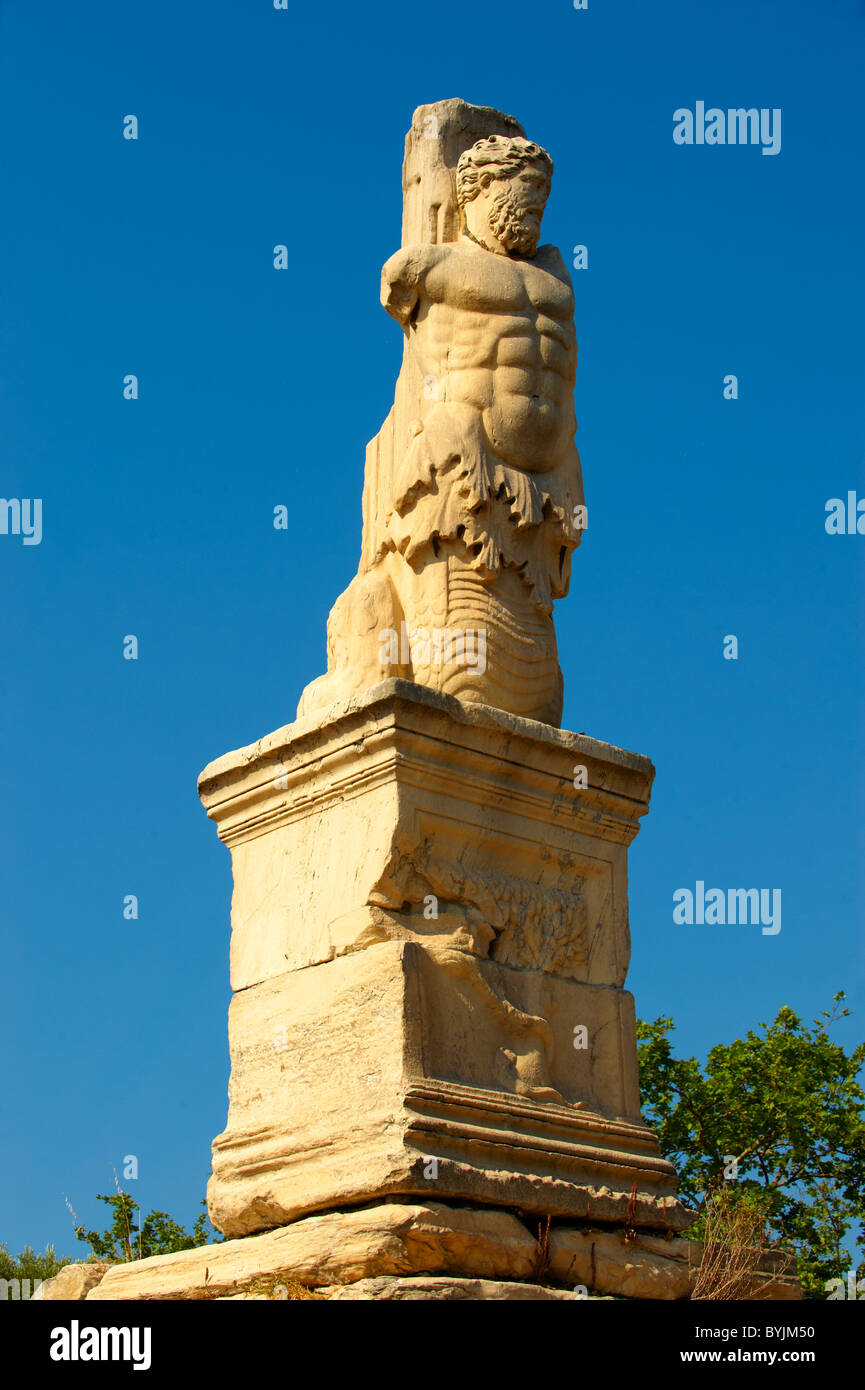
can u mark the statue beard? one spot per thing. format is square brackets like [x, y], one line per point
[510, 225]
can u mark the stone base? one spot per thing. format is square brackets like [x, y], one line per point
[432, 1049]
[432, 1250]
[429, 947]
[377, 1090]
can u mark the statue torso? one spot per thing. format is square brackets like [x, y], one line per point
[497, 333]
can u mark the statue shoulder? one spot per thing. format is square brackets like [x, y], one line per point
[403, 277]
[550, 258]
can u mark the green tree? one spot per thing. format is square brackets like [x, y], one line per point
[157, 1234]
[786, 1105]
[30, 1265]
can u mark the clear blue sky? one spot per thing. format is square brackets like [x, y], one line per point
[260, 387]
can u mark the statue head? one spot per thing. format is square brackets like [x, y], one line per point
[502, 187]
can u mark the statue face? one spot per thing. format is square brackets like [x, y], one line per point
[515, 208]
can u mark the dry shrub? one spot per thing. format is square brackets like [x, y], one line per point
[542, 1254]
[733, 1240]
[283, 1289]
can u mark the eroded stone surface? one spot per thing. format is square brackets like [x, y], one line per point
[445, 1290]
[407, 1250]
[72, 1282]
[635, 1267]
[631, 1264]
[340, 1247]
[408, 1071]
[344, 829]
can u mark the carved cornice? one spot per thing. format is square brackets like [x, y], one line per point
[406, 735]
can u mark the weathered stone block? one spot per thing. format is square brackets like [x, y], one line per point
[341, 828]
[398, 1071]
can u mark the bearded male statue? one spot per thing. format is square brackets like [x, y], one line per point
[473, 499]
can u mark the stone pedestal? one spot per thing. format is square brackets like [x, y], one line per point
[429, 946]
[433, 1086]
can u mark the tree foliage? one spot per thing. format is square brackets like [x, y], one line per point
[130, 1237]
[782, 1109]
[31, 1265]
